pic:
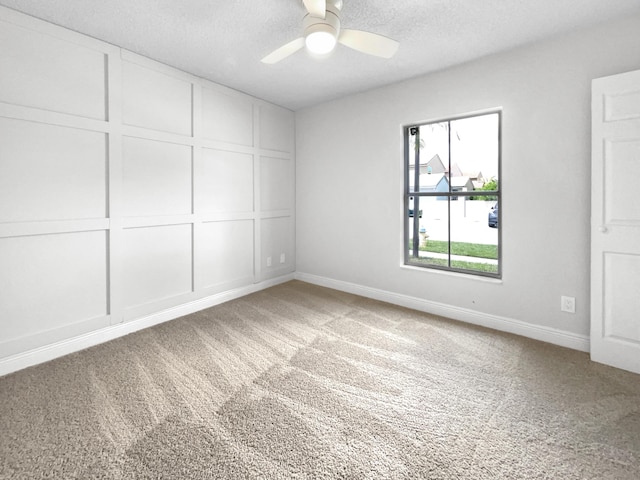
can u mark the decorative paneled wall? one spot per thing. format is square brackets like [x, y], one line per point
[128, 187]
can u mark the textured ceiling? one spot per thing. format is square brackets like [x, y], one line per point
[224, 41]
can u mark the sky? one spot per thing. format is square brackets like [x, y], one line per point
[474, 143]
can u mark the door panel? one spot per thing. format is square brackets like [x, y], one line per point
[621, 300]
[621, 172]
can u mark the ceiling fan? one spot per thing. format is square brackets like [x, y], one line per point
[322, 31]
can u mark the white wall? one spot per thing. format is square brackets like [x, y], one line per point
[128, 188]
[349, 154]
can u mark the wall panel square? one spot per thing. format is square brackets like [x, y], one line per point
[227, 182]
[277, 237]
[227, 251]
[157, 177]
[276, 128]
[51, 173]
[40, 71]
[155, 100]
[49, 281]
[157, 263]
[227, 118]
[276, 184]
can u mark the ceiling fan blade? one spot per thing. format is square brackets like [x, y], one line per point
[284, 51]
[367, 42]
[316, 8]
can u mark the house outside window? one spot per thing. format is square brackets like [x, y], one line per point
[452, 179]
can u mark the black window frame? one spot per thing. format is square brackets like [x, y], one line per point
[412, 243]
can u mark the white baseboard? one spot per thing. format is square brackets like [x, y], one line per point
[65, 347]
[503, 324]
[75, 344]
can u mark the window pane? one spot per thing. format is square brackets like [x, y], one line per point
[413, 237]
[430, 148]
[474, 244]
[474, 151]
[411, 156]
[434, 151]
[433, 232]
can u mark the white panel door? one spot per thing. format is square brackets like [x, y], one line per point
[615, 221]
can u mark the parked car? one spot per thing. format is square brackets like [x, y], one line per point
[493, 216]
[411, 213]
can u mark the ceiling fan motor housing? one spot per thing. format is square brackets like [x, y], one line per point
[330, 24]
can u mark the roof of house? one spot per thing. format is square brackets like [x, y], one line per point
[436, 164]
[430, 180]
[460, 181]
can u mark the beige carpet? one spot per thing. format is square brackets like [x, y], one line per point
[300, 381]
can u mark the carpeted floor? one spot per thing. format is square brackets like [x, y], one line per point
[300, 381]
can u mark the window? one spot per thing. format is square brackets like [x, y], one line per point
[452, 194]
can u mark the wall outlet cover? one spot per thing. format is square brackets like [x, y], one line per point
[568, 304]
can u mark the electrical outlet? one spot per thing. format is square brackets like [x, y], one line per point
[268, 261]
[282, 258]
[568, 304]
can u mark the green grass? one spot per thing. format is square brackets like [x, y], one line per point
[475, 266]
[477, 250]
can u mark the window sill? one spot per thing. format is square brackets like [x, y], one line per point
[466, 276]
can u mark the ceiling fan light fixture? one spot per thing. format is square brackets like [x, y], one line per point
[320, 42]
